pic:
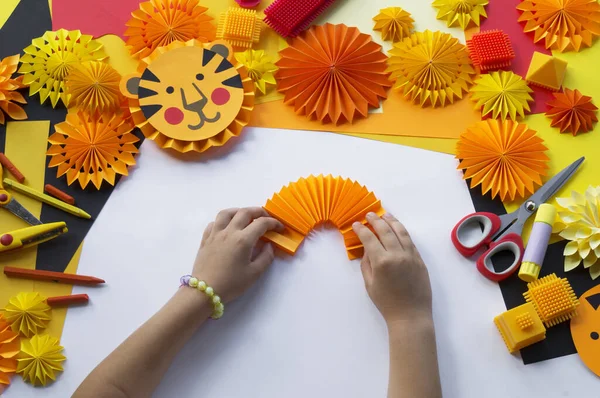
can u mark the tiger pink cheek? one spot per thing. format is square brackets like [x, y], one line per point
[173, 115]
[220, 96]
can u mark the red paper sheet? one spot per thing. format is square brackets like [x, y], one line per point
[93, 17]
[503, 14]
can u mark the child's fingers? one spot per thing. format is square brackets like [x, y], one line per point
[259, 227]
[368, 239]
[206, 234]
[400, 232]
[367, 271]
[245, 216]
[386, 235]
[224, 218]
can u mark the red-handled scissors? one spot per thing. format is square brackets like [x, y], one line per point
[502, 234]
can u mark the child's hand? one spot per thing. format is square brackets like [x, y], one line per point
[395, 276]
[231, 258]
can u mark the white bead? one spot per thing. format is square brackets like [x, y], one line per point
[216, 299]
[209, 291]
[201, 286]
[193, 282]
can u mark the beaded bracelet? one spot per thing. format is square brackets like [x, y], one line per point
[195, 283]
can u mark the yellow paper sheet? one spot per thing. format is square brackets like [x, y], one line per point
[26, 148]
[118, 55]
[6, 9]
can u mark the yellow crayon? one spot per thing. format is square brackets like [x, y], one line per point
[42, 197]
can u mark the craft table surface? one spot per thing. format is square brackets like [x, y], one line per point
[308, 327]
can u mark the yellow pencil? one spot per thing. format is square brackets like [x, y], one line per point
[25, 190]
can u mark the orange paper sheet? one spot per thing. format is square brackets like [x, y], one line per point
[303, 205]
[333, 73]
[506, 158]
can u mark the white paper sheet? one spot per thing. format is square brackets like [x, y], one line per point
[308, 328]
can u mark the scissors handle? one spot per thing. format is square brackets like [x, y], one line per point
[511, 243]
[474, 232]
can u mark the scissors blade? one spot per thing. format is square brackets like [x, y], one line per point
[18, 210]
[554, 184]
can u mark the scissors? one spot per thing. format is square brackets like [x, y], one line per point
[26, 237]
[502, 234]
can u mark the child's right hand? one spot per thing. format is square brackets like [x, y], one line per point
[395, 276]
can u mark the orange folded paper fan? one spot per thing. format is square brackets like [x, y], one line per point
[94, 86]
[505, 157]
[431, 68]
[309, 202]
[9, 97]
[190, 96]
[158, 23]
[572, 112]
[93, 149]
[332, 73]
[563, 25]
[10, 345]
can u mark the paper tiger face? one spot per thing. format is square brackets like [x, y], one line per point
[585, 329]
[189, 93]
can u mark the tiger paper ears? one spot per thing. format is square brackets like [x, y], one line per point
[303, 205]
[190, 96]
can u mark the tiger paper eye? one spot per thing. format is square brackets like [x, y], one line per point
[190, 96]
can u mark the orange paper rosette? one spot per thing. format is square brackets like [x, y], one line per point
[332, 73]
[94, 86]
[8, 96]
[505, 157]
[9, 348]
[158, 23]
[572, 112]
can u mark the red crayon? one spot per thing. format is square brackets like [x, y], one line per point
[64, 301]
[51, 276]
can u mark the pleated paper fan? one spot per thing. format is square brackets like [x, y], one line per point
[572, 112]
[40, 359]
[563, 25]
[333, 73]
[187, 97]
[158, 23]
[394, 23]
[28, 313]
[50, 58]
[9, 97]
[505, 157]
[502, 94]
[94, 86]
[309, 202]
[9, 348]
[261, 68]
[463, 13]
[93, 148]
[431, 68]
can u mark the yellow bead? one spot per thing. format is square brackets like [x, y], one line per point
[219, 307]
[209, 291]
[193, 282]
[201, 286]
[216, 299]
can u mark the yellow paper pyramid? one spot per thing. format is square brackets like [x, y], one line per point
[546, 71]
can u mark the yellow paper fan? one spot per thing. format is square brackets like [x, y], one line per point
[260, 68]
[394, 23]
[28, 313]
[431, 68]
[187, 97]
[40, 359]
[503, 94]
[580, 225]
[9, 348]
[158, 23]
[504, 157]
[94, 148]
[9, 97]
[94, 86]
[563, 25]
[50, 59]
[309, 202]
[463, 13]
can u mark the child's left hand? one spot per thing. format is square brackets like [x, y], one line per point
[231, 257]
